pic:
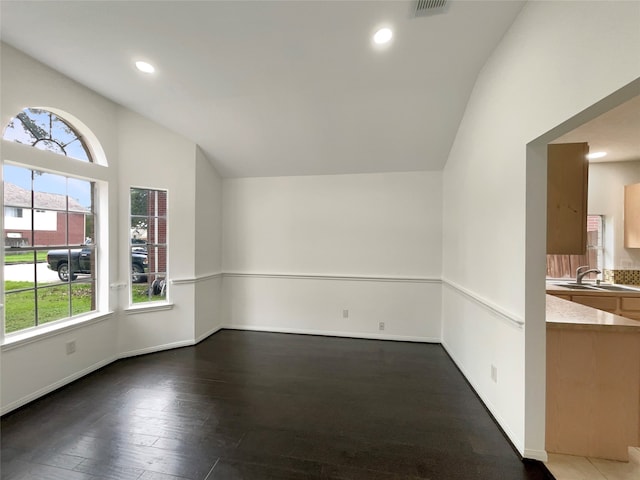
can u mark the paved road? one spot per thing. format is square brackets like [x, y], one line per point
[24, 273]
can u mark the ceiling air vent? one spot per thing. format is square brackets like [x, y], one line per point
[430, 7]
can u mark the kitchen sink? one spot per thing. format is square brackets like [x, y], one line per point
[606, 287]
[578, 286]
[617, 288]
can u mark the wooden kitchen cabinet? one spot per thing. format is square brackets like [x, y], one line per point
[608, 304]
[629, 307]
[625, 304]
[567, 180]
[632, 216]
[593, 388]
[592, 377]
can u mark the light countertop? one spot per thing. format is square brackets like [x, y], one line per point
[566, 314]
[555, 288]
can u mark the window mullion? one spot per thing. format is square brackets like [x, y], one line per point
[37, 169]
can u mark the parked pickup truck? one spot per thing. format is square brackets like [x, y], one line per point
[58, 261]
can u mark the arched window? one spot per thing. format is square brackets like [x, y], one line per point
[50, 244]
[46, 131]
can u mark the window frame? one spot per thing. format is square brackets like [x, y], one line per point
[39, 289]
[164, 300]
[16, 212]
[43, 134]
[600, 250]
[30, 157]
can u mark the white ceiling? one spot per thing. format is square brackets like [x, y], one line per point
[277, 88]
[616, 132]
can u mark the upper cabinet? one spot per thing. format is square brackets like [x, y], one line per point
[567, 182]
[632, 216]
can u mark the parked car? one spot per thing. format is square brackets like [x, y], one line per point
[80, 259]
[138, 245]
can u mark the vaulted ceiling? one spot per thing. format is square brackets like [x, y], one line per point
[277, 87]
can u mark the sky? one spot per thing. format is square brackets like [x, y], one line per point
[46, 131]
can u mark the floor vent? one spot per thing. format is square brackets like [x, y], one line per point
[430, 7]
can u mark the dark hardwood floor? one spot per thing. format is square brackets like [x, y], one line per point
[249, 405]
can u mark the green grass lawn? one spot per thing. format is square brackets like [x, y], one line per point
[25, 257]
[13, 285]
[140, 295]
[53, 302]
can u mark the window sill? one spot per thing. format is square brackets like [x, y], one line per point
[148, 307]
[19, 339]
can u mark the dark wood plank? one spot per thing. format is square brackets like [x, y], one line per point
[251, 405]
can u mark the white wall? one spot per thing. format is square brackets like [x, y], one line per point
[368, 224]
[139, 153]
[208, 248]
[303, 249]
[409, 309]
[606, 197]
[208, 218]
[557, 59]
[153, 157]
[34, 368]
[26, 82]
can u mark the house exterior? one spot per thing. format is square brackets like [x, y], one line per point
[51, 220]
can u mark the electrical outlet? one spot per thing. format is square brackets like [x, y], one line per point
[71, 347]
[381, 326]
[345, 313]
[494, 373]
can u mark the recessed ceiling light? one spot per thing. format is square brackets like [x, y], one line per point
[145, 67]
[383, 36]
[594, 155]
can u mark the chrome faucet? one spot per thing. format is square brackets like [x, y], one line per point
[581, 272]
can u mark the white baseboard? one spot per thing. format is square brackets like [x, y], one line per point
[519, 447]
[327, 333]
[56, 385]
[532, 454]
[170, 346]
[536, 454]
[207, 334]
[157, 348]
[76, 376]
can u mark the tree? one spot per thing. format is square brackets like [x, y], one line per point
[35, 130]
[139, 208]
